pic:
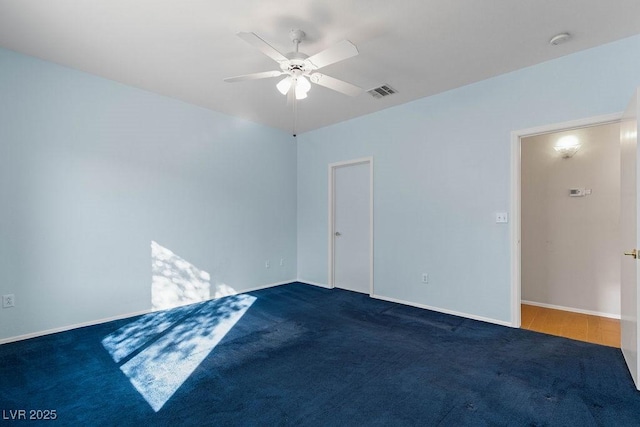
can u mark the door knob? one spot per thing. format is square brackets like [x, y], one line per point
[633, 253]
[338, 233]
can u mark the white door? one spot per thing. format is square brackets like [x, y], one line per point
[352, 227]
[630, 239]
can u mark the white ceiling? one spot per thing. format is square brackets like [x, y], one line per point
[184, 48]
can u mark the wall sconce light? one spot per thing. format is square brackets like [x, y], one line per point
[567, 146]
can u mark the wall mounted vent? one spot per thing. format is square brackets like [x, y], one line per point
[382, 91]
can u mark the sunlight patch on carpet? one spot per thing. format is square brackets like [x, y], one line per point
[161, 350]
[136, 335]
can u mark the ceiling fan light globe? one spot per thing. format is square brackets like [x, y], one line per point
[300, 94]
[303, 84]
[284, 85]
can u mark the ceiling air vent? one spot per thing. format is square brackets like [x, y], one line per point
[382, 91]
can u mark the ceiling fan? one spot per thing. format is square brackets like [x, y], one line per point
[298, 66]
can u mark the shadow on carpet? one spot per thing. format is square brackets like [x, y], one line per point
[302, 355]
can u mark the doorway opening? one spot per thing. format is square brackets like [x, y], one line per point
[564, 240]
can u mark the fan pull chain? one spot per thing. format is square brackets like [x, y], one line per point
[295, 117]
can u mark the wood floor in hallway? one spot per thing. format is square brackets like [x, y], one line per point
[582, 327]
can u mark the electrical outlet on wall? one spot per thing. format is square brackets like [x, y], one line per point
[8, 300]
[425, 277]
[502, 217]
[267, 264]
[281, 262]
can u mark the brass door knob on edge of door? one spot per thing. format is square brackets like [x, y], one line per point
[633, 253]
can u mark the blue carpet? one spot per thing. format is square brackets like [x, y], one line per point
[302, 355]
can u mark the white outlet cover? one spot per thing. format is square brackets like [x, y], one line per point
[502, 217]
[8, 301]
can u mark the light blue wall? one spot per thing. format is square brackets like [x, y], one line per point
[442, 170]
[91, 171]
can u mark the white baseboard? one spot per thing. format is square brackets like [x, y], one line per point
[70, 327]
[110, 319]
[321, 285]
[423, 306]
[572, 309]
[270, 285]
[445, 311]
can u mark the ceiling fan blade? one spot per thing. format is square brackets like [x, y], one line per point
[338, 52]
[255, 40]
[335, 84]
[254, 76]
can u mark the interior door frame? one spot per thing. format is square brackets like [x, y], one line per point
[331, 216]
[515, 229]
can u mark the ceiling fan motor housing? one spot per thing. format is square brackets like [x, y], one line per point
[296, 63]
